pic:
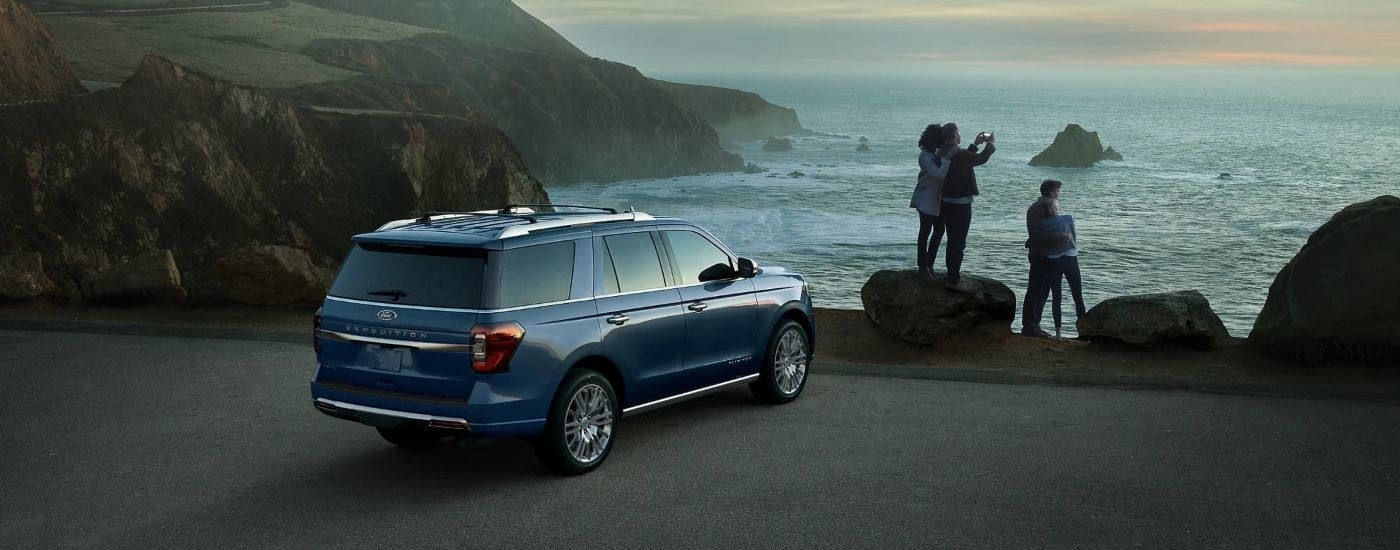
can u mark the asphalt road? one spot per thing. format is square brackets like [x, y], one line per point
[111, 441]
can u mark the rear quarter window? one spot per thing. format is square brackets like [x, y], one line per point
[412, 275]
[536, 274]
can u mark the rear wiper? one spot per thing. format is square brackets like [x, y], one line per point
[395, 294]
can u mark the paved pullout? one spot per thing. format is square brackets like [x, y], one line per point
[141, 442]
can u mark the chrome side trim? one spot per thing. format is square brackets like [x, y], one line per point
[425, 346]
[391, 413]
[533, 306]
[688, 395]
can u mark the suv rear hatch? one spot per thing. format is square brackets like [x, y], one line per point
[399, 319]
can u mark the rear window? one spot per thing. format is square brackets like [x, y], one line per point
[412, 275]
[537, 274]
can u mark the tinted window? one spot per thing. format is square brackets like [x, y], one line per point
[694, 254]
[537, 274]
[635, 263]
[416, 276]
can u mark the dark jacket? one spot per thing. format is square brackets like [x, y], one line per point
[1042, 240]
[961, 181]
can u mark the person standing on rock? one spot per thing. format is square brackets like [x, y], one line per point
[1053, 257]
[959, 187]
[928, 196]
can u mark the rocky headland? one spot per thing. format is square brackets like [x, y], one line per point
[177, 160]
[1075, 147]
[736, 115]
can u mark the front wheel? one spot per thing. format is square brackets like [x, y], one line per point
[784, 373]
[582, 425]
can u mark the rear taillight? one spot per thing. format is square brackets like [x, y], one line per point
[492, 346]
[316, 333]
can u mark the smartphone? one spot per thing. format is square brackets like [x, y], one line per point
[987, 136]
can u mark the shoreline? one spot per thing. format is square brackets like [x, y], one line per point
[847, 344]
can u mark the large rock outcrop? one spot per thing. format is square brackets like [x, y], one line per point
[1179, 318]
[177, 160]
[904, 305]
[152, 277]
[1074, 147]
[22, 277]
[735, 114]
[1338, 300]
[573, 119]
[270, 275]
[32, 66]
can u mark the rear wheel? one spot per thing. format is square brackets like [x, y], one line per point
[409, 437]
[582, 424]
[784, 373]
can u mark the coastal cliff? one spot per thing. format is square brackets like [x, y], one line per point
[573, 119]
[32, 66]
[492, 22]
[177, 160]
[736, 115]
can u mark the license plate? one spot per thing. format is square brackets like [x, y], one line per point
[385, 359]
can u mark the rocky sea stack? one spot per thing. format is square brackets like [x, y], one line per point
[1337, 300]
[777, 144]
[177, 160]
[1178, 318]
[904, 305]
[1075, 147]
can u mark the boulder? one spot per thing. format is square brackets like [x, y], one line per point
[1337, 300]
[863, 148]
[1182, 317]
[22, 277]
[1110, 154]
[752, 168]
[1074, 147]
[796, 174]
[270, 275]
[910, 308]
[777, 144]
[151, 277]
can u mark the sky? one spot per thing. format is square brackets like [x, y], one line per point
[720, 35]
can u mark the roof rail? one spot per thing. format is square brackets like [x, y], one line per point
[520, 230]
[604, 209]
[431, 216]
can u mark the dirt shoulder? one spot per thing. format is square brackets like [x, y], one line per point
[847, 343]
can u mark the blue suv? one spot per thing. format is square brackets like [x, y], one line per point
[550, 326]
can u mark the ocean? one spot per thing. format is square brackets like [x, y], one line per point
[1298, 148]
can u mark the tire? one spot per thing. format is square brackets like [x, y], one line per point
[409, 437]
[785, 364]
[573, 450]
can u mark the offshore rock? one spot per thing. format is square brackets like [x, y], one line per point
[32, 66]
[1074, 147]
[22, 277]
[777, 144]
[1337, 300]
[904, 305]
[1110, 154]
[752, 168]
[1182, 317]
[177, 160]
[151, 277]
[863, 148]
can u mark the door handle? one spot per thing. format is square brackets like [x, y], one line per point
[698, 306]
[619, 319]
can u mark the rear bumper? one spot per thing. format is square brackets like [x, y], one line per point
[388, 418]
[388, 410]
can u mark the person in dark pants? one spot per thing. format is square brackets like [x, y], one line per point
[927, 197]
[1050, 238]
[959, 187]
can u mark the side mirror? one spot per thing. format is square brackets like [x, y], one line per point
[718, 272]
[747, 269]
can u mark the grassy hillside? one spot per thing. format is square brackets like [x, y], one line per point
[262, 48]
[492, 22]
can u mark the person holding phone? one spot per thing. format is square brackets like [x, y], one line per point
[959, 188]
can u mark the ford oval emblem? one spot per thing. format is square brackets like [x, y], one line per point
[388, 315]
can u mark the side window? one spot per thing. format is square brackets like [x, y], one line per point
[694, 254]
[634, 264]
[537, 274]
